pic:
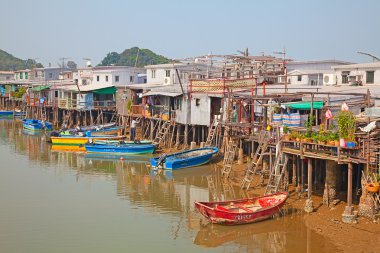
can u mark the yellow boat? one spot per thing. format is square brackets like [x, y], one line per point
[77, 143]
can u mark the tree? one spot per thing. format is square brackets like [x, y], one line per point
[71, 65]
[111, 58]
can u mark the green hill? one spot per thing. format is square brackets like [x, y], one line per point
[9, 62]
[128, 58]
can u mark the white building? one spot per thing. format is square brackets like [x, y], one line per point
[6, 76]
[116, 75]
[308, 77]
[362, 73]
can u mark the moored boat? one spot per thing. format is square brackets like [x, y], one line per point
[6, 114]
[36, 125]
[100, 130]
[120, 148]
[185, 159]
[76, 143]
[242, 211]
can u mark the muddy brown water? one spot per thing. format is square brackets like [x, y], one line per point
[72, 202]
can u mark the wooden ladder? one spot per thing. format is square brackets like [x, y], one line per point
[228, 161]
[258, 157]
[161, 135]
[211, 186]
[211, 133]
[276, 176]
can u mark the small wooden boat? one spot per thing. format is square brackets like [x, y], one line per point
[185, 159]
[242, 211]
[122, 142]
[36, 125]
[94, 131]
[76, 143]
[132, 149]
[6, 114]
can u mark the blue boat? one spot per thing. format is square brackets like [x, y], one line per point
[6, 114]
[131, 149]
[36, 125]
[185, 159]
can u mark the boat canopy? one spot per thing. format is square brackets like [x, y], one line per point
[304, 105]
[105, 91]
[41, 87]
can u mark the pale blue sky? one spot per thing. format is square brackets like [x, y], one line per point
[323, 29]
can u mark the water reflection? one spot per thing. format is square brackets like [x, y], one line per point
[171, 196]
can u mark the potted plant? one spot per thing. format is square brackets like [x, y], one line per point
[346, 126]
[285, 131]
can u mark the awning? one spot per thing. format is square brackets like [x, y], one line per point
[105, 91]
[304, 105]
[41, 87]
[162, 93]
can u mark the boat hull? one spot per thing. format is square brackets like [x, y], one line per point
[6, 114]
[77, 143]
[36, 125]
[174, 163]
[228, 217]
[132, 149]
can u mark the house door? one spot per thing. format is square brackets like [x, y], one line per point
[216, 104]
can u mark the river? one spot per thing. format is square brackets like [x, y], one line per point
[55, 201]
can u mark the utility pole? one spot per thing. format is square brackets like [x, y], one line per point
[285, 73]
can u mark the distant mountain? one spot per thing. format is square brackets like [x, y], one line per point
[129, 56]
[9, 62]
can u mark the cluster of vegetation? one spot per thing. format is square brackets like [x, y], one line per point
[346, 130]
[9, 62]
[19, 92]
[346, 124]
[128, 58]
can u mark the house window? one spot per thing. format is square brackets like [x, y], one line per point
[97, 78]
[26, 75]
[84, 81]
[116, 79]
[36, 74]
[370, 76]
[131, 79]
[167, 73]
[56, 93]
[106, 78]
[8, 78]
[21, 75]
[153, 73]
[197, 101]
[299, 78]
[50, 75]
[178, 103]
[228, 72]
[238, 75]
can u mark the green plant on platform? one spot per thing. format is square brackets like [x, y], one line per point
[285, 130]
[309, 124]
[346, 125]
[276, 109]
[129, 105]
[19, 92]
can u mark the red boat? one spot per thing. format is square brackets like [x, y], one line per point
[242, 211]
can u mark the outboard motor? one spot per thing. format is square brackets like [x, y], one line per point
[161, 160]
[54, 134]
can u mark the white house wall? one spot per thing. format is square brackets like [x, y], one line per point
[200, 115]
[183, 115]
[362, 72]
